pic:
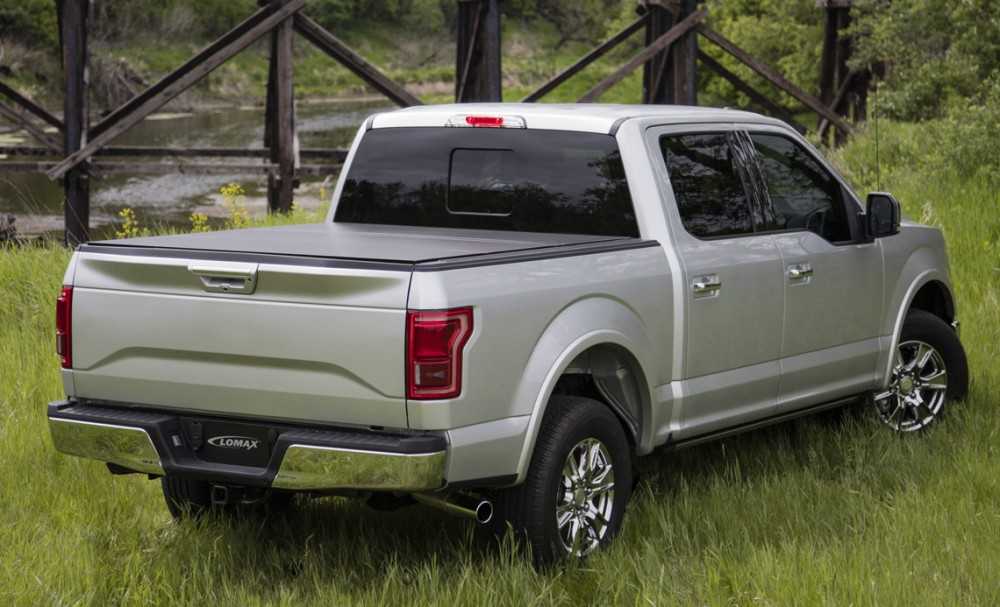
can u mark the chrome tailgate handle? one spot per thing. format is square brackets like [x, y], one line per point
[226, 278]
[706, 285]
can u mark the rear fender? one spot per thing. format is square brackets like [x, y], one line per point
[565, 338]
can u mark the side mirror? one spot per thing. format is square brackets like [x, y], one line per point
[882, 215]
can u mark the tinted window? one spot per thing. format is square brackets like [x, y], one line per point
[706, 184]
[804, 195]
[492, 179]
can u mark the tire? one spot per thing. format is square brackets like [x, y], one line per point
[191, 499]
[571, 425]
[918, 393]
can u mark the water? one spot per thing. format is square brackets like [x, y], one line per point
[168, 200]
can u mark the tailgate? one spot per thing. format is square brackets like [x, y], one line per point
[312, 341]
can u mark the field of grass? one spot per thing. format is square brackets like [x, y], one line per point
[835, 510]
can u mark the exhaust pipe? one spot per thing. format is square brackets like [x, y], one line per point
[480, 510]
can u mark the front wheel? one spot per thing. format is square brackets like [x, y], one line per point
[929, 370]
[573, 499]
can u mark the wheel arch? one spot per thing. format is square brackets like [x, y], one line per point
[928, 291]
[614, 354]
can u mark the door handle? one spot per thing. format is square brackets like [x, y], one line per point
[706, 285]
[229, 278]
[800, 271]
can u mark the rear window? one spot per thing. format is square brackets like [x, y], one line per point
[489, 179]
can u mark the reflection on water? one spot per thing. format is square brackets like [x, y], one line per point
[168, 200]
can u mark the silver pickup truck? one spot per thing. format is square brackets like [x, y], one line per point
[506, 305]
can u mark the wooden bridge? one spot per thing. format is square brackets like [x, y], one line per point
[670, 58]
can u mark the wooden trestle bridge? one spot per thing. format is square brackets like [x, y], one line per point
[670, 58]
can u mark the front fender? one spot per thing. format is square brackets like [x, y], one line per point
[923, 265]
[566, 337]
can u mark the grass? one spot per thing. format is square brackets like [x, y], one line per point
[833, 510]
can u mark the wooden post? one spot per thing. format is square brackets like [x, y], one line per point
[835, 92]
[477, 59]
[682, 67]
[656, 82]
[279, 128]
[76, 182]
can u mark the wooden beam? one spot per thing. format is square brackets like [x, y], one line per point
[465, 65]
[29, 127]
[587, 59]
[682, 66]
[755, 96]
[644, 55]
[76, 182]
[31, 106]
[336, 154]
[660, 18]
[477, 52]
[171, 168]
[281, 118]
[179, 80]
[838, 99]
[774, 77]
[346, 56]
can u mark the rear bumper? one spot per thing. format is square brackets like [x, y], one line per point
[300, 458]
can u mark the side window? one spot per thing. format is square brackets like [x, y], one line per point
[804, 195]
[706, 184]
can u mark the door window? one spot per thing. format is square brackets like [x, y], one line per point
[805, 196]
[706, 184]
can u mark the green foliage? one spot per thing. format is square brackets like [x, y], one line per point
[934, 52]
[32, 22]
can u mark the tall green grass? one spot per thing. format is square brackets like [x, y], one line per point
[833, 510]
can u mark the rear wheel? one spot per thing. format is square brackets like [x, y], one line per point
[573, 499]
[189, 498]
[929, 371]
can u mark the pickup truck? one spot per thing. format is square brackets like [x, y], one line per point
[506, 305]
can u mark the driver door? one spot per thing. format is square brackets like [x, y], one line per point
[832, 281]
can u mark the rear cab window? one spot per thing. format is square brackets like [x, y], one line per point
[492, 179]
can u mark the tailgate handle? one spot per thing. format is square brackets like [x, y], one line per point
[234, 278]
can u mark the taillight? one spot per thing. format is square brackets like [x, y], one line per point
[434, 343]
[64, 327]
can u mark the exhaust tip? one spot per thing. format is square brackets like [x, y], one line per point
[484, 512]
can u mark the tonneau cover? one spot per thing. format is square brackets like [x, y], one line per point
[360, 241]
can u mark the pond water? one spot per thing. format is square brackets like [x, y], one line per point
[168, 200]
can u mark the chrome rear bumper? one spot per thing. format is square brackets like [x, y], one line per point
[300, 459]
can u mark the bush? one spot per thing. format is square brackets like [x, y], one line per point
[33, 22]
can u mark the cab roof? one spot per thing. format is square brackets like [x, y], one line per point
[588, 117]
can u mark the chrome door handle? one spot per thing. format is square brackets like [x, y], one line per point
[800, 271]
[706, 285]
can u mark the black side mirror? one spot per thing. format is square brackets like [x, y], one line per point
[882, 215]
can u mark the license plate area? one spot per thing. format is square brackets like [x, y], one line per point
[231, 443]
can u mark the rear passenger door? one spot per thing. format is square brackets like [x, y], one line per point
[733, 281]
[832, 280]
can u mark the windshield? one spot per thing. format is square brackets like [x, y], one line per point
[490, 179]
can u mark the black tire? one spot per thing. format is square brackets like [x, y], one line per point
[189, 498]
[922, 326]
[530, 508]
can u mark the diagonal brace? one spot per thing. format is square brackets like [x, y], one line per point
[345, 55]
[31, 106]
[178, 81]
[774, 77]
[20, 120]
[645, 55]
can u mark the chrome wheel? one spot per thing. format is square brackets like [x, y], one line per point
[586, 497]
[917, 388]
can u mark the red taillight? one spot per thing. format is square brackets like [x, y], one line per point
[434, 343]
[64, 327]
[494, 122]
